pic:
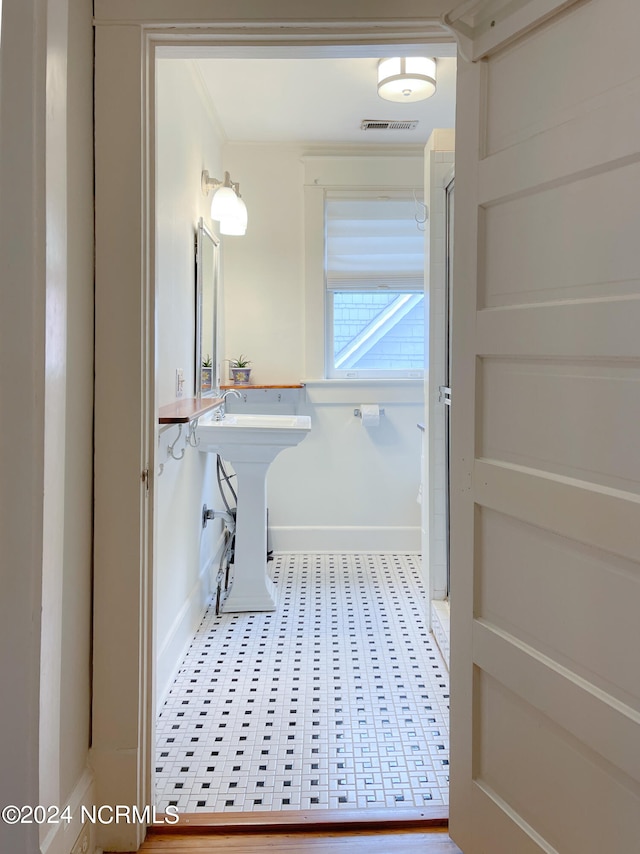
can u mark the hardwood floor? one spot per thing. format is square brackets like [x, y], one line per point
[405, 831]
[303, 842]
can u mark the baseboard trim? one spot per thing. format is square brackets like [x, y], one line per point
[61, 837]
[320, 538]
[172, 650]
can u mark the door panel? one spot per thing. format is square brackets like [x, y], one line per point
[545, 471]
[583, 256]
[553, 576]
[551, 85]
[514, 736]
[533, 413]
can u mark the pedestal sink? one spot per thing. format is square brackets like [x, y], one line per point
[251, 443]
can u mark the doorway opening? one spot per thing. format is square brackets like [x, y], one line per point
[196, 774]
[130, 256]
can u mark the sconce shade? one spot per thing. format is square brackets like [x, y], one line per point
[227, 206]
[232, 226]
[406, 79]
[235, 223]
[224, 203]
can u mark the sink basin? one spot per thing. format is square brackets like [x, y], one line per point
[252, 437]
[251, 443]
[268, 422]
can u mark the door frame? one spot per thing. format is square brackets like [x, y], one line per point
[125, 407]
[449, 186]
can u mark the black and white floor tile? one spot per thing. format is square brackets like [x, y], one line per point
[339, 698]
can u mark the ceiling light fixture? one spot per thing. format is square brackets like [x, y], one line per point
[227, 206]
[406, 79]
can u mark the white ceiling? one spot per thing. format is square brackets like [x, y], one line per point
[318, 101]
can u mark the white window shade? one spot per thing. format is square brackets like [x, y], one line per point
[373, 243]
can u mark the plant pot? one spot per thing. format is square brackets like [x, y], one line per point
[206, 379]
[240, 376]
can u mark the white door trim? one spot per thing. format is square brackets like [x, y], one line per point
[123, 707]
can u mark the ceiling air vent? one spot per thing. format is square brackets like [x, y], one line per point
[380, 124]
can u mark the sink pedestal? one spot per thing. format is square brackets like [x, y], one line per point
[251, 443]
[251, 588]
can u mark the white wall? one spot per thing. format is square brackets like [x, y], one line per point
[75, 689]
[46, 237]
[263, 271]
[350, 487]
[188, 141]
[344, 487]
[22, 296]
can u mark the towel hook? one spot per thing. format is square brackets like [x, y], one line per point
[191, 437]
[170, 448]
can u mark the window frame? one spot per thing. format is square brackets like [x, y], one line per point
[350, 170]
[330, 371]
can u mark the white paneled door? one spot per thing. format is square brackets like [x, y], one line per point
[545, 483]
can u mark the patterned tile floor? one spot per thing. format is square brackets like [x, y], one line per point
[339, 698]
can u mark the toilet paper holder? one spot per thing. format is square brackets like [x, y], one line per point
[358, 413]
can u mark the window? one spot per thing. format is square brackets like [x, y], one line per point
[374, 273]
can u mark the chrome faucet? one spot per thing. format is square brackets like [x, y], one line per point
[220, 411]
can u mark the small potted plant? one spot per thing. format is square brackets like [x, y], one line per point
[240, 370]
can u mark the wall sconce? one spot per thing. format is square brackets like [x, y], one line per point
[227, 206]
[406, 79]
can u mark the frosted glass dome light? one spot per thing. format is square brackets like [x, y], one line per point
[406, 79]
[227, 206]
[224, 203]
[235, 223]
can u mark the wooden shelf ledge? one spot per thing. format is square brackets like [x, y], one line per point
[186, 409]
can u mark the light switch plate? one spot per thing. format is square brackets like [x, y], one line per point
[179, 382]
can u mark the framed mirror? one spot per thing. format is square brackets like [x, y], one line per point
[206, 350]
